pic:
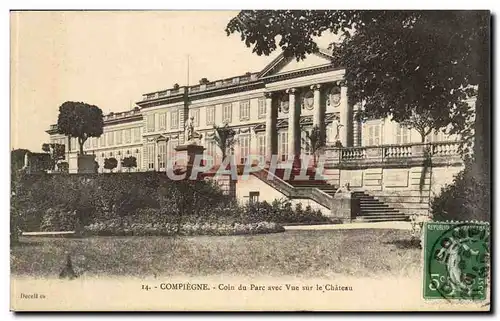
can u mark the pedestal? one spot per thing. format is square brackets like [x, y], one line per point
[188, 153]
[86, 164]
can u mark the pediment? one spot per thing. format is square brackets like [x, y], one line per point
[282, 65]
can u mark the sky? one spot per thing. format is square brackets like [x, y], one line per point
[110, 59]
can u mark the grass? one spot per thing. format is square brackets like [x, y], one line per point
[297, 253]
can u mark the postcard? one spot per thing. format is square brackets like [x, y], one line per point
[254, 160]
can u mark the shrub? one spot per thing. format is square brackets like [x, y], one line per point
[115, 228]
[281, 211]
[467, 198]
[59, 219]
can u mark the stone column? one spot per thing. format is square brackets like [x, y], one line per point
[293, 123]
[319, 113]
[356, 126]
[345, 117]
[271, 131]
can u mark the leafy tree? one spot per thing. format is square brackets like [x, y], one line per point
[225, 139]
[423, 123]
[80, 120]
[17, 159]
[63, 167]
[56, 152]
[129, 162]
[397, 63]
[314, 141]
[110, 163]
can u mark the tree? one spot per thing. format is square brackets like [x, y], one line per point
[63, 167]
[225, 139]
[397, 62]
[314, 141]
[129, 162]
[17, 159]
[423, 123]
[110, 163]
[56, 152]
[80, 120]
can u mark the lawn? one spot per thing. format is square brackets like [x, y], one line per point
[366, 252]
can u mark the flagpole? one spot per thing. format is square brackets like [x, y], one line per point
[187, 80]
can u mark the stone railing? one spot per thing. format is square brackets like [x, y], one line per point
[447, 152]
[291, 191]
[125, 114]
[163, 93]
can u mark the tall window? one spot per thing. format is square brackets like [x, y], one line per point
[162, 150]
[162, 121]
[373, 135]
[174, 119]
[150, 157]
[102, 141]
[304, 142]
[138, 159]
[171, 149]
[283, 145]
[211, 150]
[436, 136]
[227, 112]
[262, 107]
[136, 134]
[402, 135]
[261, 142]
[195, 113]
[126, 134]
[119, 137]
[244, 143]
[150, 123]
[111, 138]
[245, 110]
[210, 115]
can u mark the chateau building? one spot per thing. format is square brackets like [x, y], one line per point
[270, 110]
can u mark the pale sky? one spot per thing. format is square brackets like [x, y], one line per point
[110, 59]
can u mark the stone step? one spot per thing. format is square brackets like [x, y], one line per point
[373, 206]
[383, 218]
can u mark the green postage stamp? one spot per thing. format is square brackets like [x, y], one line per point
[456, 260]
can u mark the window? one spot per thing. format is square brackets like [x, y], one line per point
[126, 134]
[171, 149]
[210, 115]
[174, 119]
[436, 136]
[227, 112]
[162, 150]
[402, 135]
[94, 142]
[211, 150]
[262, 107]
[149, 156]
[244, 143]
[373, 135]
[150, 123]
[102, 141]
[162, 121]
[86, 145]
[245, 110]
[261, 144]
[138, 158]
[118, 137]
[111, 138]
[195, 113]
[137, 134]
[283, 145]
[305, 142]
[253, 197]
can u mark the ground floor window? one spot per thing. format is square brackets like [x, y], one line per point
[261, 144]
[244, 142]
[283, 145]
[372, 134]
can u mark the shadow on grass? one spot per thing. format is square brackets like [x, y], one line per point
[406, 243]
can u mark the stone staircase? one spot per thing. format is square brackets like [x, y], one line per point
[373, 210]
[309, 182]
